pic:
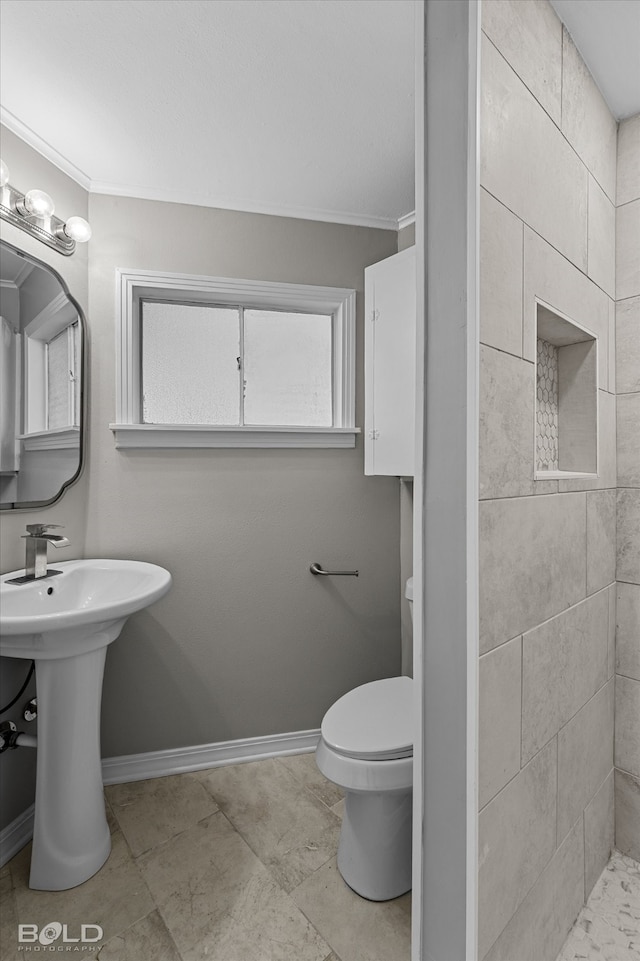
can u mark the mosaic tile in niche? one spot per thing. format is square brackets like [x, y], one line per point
[546, 406]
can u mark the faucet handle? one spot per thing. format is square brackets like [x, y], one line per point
[37, 530]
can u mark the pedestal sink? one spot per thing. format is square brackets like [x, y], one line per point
[65, 623]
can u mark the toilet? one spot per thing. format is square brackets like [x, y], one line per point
[366, 748]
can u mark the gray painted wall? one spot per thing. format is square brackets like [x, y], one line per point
[247, 642]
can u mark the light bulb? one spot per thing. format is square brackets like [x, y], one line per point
[78, 229]
[4, 174]
[38, 203]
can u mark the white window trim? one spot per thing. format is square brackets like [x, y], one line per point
[60, 438]
[134, 285]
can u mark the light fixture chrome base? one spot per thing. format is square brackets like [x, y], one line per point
[49, 230]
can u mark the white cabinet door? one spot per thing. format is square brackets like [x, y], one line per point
[390, 362]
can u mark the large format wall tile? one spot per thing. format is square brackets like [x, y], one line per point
[551, 278]
[628, 439]
[520, 31]
[516, 840]
[601, 254]
[499, 725]
[538, 929]
[601, 539]
[628, 250]
[628, 814]
[612, 346]
[501, 240]
[611, 660]
[564, 662]
[532, 562]
[628, 346]
[627, 750]
[599, 833]
[628, 630]
[527, 163]
[628, 182]
[628, 562]
[586, 120]
[585, 756]
[506, 439]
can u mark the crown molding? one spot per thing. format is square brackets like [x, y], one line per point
[45, 149]
[178, 195]
[406, 221]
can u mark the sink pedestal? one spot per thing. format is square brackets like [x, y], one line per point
[71, 839]
[65, 625]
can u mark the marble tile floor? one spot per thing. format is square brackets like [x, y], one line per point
[235, 863]
[608, 927]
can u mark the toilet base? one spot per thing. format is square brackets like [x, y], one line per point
[374, 852]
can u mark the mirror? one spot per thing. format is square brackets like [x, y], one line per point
[42, 336]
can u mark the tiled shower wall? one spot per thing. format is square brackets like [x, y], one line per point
[547, 548]
[627, 740]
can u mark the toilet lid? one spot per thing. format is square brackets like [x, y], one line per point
[373, 721]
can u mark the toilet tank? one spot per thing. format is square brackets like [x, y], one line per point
[408, 593]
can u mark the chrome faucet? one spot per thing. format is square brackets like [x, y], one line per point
[37, 540]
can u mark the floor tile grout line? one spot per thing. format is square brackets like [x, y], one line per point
[153, 906]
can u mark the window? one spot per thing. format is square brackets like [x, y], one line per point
[212, 362]
[62, 397]
[51, 373]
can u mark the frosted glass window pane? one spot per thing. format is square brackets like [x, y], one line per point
[190, 364]
[287, 369]
[58, 381]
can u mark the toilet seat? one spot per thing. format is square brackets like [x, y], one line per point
[373, 722]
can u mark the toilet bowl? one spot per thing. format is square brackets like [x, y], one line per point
[366, 748]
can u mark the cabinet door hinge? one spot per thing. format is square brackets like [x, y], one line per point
[374, 315]
[374, 434]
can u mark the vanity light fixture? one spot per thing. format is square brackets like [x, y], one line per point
[33, 212]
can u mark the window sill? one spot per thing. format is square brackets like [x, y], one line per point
[158, 436]
[61, 439]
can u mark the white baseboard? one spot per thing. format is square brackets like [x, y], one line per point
[14, 837]
[139, 767]
[180, 760]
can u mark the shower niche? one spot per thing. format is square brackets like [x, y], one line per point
[566, 402]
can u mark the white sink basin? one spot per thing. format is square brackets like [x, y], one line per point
[73, 611]
[65, 623]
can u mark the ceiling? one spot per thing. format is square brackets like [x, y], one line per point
[302, 108]
[607, 34]
[289, 107]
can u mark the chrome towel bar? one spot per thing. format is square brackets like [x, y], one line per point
[316, 569]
